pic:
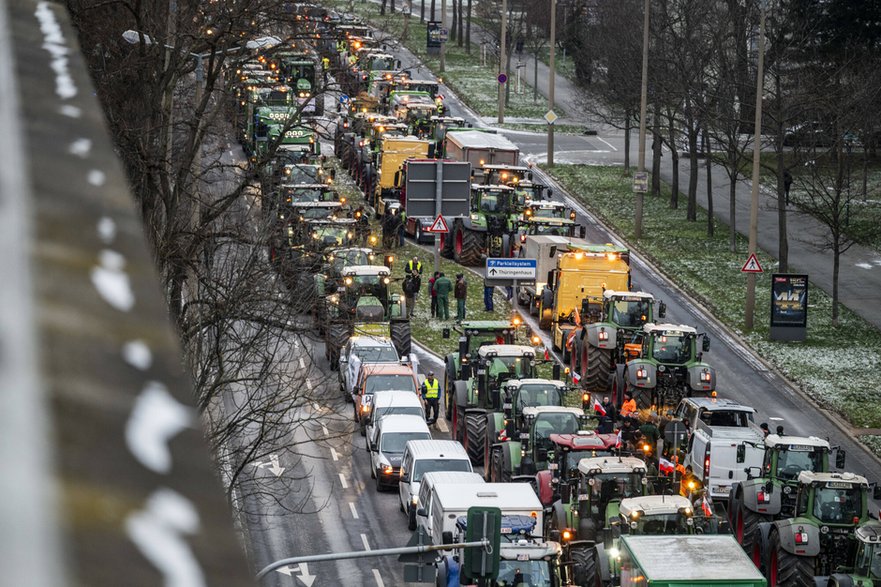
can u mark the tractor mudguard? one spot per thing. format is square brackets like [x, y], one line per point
[468, 224]
[545, 487]
[593, 335]
[603, 563]
[787, 529]
[498, 421]
[651, 378]
[513, 448]
[750, 498]
[461, 388]
[612, 510]
[694, 378]
[561, 515]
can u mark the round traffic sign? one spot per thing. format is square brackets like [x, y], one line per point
[502, 78]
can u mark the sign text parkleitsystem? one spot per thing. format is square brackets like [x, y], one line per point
[498, 268]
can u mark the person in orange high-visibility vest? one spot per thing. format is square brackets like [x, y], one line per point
[628, 408]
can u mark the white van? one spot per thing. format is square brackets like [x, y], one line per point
[424, 502]
[387, 450]
[392, 402]
[423, 456]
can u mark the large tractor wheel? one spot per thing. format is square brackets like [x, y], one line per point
[507, 470]
[401, 337]
[585, 567]
[491, 437]
[457, 431]
[475, 436]
[337, 335]
[446, 243]
[449, 390]
[746, 524]
[786, 569]
[495, 470]
[546, 310]
[468, 246]
[597, 372]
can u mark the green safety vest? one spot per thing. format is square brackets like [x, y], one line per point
[431, 390]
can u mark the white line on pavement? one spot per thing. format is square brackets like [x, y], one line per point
[333, 454]
[442, 425]
[316, 406]
[302, 363]
[605, 141]
[324, 429]
[378, 578]
[309, 384]
[354, 512]
[343, 481]
[364, 540]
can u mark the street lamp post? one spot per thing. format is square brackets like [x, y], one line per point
[750, 305]
[502, 61]
[443, 47]
[551, 79]
[643, 101]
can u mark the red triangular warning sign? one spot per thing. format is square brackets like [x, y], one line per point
[752, 265]
[439, 225]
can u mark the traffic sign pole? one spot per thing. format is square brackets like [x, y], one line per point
[438, 202]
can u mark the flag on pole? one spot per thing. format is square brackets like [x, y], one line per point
[576, 377]
[666, 467]
[599, 409]
[618, 442]
[547, 355]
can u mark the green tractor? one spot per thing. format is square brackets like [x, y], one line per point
[771, 494]
[364, 306]
[668, 368]
[565, 453]
[821, 538]
[518, 452]
[865, 568]
[584, 516]
[611, 334]
[481, 391]
[473, 335]
[489, 230]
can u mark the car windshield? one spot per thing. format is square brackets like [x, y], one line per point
[656, 525]
[513, 367]
[633, 313]
[838, 506]
[672, 349]
[402, 410]
[423, 466]
[539, 395]
[609, 486]
[792, 462]
[394, 442]
[730, 418]
[514, 573]
[489, 203]
[376, 383]
[377, 354]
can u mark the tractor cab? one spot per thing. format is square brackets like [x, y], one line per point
[492, 199]
[656, 515]
[311, 211]
[330, 233]
[566, 453]
[289, 193]
[508, 175]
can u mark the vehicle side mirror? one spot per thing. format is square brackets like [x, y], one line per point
[447, 537]
[706, 343]
[344, 360]
[550, 193]
[876, 492]
[741, 453]
[422, 512]
[582, 231]
[405, 478]
[466, 371]
[662, 311]
[840, 459]
[373, 446]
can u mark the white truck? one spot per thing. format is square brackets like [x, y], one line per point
[542, 248]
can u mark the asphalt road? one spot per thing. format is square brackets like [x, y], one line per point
[330, 472]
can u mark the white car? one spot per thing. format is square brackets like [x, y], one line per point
[387, 451]
[425, 456]
[362, 349]
[387, 403]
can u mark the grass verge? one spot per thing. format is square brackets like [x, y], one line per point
[826, 366]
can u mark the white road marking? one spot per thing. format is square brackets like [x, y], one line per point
[775, 418]
[324, 429]
[605, 141]
[378, 578]
[302, 363]
[316, 406]
[364, 540]
[333, 454]
[309, 384]
[354, 513]
[343, 481]
[442, 425]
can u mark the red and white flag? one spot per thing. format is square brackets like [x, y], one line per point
[576, 377]
[547, 355]
[618, 442]
[666, 466]
[598, 407]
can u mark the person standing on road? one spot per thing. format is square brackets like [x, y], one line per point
[442, 288]
[414, 268]
[628, 408]
[433, 294]
[487, 297]
[411, 288]
[431, 397]
[461, 293]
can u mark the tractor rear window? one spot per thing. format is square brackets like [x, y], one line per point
[671, 349]
[838, 506]
[656, 525]
[632, 314]
[539, 395]
[376, 383]
[791, 463]
[514, 367]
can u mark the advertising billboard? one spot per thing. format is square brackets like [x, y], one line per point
[789, 306]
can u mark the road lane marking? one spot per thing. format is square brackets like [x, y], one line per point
[364, 540]
[316, 406]
[611, 146]
[333, 454]
[324, 429]
[378, 578]
[343, 481]
[442, 425]
[309, 384]
[302, 363]
[354, 513]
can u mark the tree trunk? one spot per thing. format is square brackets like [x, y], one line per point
[468, 29]
[627, 141]
[708, 154]
[691, 212]
[452, 35]
[656, 151]
[674, 159]
[392, 6]
[732, 199]
[461, 25]
[783, 238]
[433, 2]
[836, 263]
[422, 11]
[535, 78]
[382, 8]
[508, 83]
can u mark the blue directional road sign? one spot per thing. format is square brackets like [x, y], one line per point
[521, 269]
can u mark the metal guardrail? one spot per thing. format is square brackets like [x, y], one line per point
[107, 479]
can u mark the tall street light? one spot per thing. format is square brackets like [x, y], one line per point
[443, 47]
[503, 71]
[551, 84]
[643, 101]
[757, 151]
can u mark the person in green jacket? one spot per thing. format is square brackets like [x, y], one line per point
[442, 287]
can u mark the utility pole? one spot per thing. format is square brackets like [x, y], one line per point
[551, 84]
[443, 47]
[757, 151]
[503, 60]
[643, 101]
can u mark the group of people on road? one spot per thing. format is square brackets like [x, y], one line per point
[439, 288]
